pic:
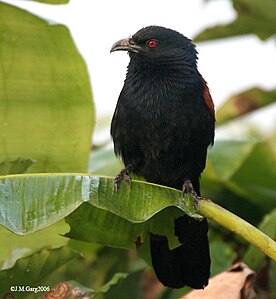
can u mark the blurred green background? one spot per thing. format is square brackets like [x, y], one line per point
[47, 123]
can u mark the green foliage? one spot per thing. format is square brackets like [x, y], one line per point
[121, 219]
[45, 94]
[50, 198]
[243, 103]
[254, 257]
[50, 236]
[222, 256]
[244, 169]
[254, 16]
[17, 166]
[47, 119]
[31, 270]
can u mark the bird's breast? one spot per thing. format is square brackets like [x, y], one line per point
[157, 112]
[153, 99]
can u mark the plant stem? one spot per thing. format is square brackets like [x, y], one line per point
[239, 226]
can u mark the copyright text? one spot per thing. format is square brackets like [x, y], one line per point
[30, 289]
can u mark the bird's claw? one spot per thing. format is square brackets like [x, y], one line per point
[119, 178]
[188, 188]
[123, 175]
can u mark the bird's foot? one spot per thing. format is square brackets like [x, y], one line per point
[123, 175]
[188, 188]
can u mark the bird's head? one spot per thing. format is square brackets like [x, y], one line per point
[158, 44]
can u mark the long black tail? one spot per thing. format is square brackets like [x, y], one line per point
[188, 264]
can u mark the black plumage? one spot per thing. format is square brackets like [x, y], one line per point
[162, 126]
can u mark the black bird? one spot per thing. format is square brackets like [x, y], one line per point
[162, 126]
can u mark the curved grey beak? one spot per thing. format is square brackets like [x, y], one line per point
[126, 44]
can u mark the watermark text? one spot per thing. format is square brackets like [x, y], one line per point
[18, 288]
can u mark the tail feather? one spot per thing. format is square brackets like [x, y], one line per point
[189, 263]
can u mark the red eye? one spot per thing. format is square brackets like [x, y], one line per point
[152, 43]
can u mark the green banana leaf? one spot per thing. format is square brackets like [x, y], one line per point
[46, 108]
[253, 16]
[118, 218]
